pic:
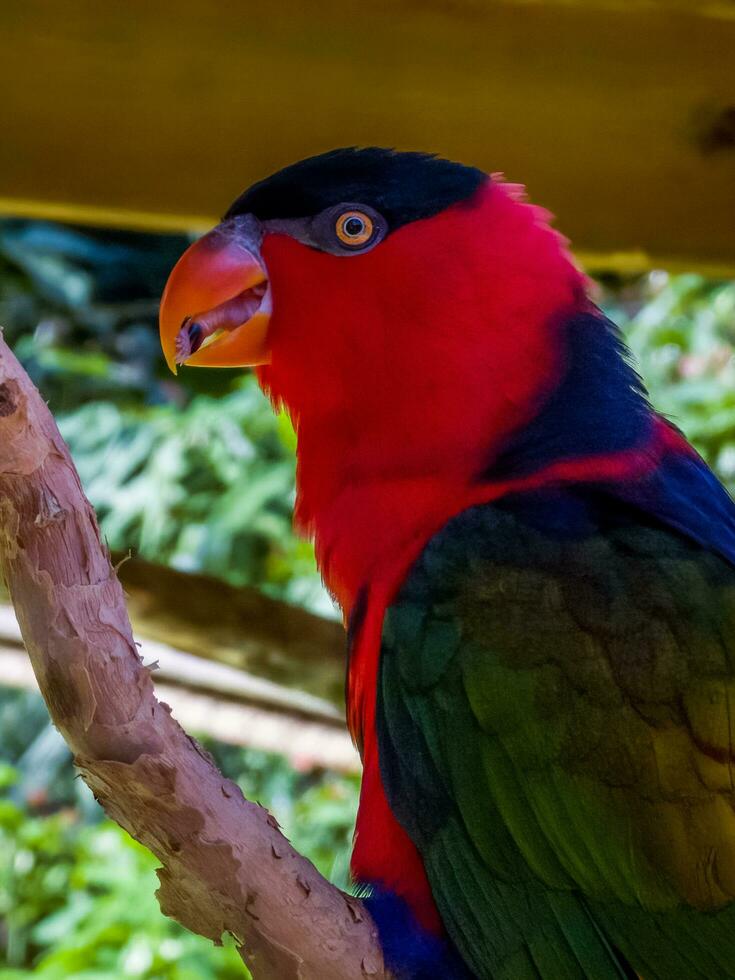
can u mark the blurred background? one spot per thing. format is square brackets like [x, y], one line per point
[128, 128]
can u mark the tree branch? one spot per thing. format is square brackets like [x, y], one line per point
[226, 867]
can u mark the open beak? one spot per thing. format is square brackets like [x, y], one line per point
[216, 306]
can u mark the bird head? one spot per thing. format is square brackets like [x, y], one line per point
[371, 280]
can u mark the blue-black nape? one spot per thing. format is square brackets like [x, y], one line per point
[599, 406]
[402, 186]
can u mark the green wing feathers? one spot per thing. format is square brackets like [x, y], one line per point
[556, 719]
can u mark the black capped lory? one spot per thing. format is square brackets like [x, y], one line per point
[536, 569]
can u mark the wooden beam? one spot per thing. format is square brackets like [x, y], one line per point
[184, 669]
[620, 116]
[239, 627]
[226, 704]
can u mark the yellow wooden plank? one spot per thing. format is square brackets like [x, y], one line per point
[619, 116]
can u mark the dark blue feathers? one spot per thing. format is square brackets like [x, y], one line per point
[599, 407]
[410, 952]
[685, 495]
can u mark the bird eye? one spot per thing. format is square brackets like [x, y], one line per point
[354, 228]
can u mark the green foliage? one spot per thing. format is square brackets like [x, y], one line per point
[208, 487]
[78, 901]
[682, 332]
[77, 893]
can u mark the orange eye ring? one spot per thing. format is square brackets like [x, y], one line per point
[354, 228]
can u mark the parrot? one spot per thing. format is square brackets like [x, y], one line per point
[536, 569]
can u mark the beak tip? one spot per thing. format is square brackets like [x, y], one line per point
[171, 362]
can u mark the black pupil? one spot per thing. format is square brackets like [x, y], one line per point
[354, 227]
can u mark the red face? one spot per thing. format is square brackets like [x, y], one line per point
[434, 336]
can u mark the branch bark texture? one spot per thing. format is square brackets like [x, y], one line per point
[225, 865]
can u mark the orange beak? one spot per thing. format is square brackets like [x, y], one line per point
[216, 306]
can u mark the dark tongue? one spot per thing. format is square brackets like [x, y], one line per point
[227, 316]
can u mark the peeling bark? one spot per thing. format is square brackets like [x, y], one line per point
[225, 865]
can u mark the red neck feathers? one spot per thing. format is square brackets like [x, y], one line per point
[405, 369]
